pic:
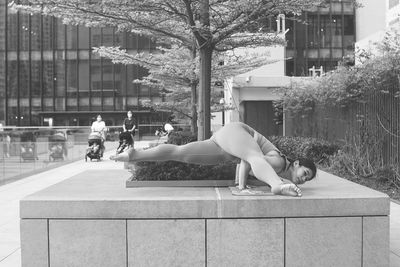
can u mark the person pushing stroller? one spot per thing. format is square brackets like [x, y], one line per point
[126, 137]
[97, 138]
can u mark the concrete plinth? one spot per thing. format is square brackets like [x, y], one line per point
[96, 215]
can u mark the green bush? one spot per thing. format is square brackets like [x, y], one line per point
[317, 150]
[172, 170]
[293, 147]
[181, 137]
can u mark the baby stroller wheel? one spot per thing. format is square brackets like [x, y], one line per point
[86, 158]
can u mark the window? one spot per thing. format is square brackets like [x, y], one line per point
[83, 37]
[48, 36]
[48, 80]
[72, 37]
[348, 25]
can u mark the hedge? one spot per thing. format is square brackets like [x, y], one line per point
[293, 147]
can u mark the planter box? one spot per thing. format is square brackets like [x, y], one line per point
[92, 219]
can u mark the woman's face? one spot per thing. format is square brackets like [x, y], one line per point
[129, 114]
[301, 174]
[98, 118]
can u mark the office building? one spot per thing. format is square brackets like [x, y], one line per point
[320, 38]
[49, 75]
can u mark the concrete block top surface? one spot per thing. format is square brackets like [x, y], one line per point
[102, 194]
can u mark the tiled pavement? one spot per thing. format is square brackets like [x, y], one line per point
[10, 194]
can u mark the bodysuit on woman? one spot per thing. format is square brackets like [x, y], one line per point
[233, 139]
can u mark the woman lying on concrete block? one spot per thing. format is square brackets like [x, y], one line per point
[235, 141]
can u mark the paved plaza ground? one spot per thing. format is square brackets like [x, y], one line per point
[12, 193]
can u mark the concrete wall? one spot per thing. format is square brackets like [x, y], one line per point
[331, 241]
[93, 220]
[371, 18]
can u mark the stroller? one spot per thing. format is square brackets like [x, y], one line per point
[125, 142]
[28, 146]
[96, 146]
[57, 146]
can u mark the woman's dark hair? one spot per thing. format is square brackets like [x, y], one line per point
[130, 111]
[308, 164]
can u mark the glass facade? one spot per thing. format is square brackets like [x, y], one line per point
[320, 38]
[47, 70]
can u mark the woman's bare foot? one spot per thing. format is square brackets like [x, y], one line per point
[287, 190]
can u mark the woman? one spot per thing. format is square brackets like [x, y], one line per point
[129, 124]
[100, 126]
[257, 155]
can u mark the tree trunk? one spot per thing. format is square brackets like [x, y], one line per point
[204, 126]
[205, 51]
[193, 123]
[193, 87]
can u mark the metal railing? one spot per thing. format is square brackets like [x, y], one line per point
[28, 150]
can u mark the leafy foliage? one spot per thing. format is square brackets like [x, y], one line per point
[172, 170]
[369, 93]
[222, 24]
[317, 150]
[294, 147]
[348, 84]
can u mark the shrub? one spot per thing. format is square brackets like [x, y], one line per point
[172, 170]
[294, 147]
[316, 150]
[181, 137]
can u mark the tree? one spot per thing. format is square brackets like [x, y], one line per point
[204, 26]
[175, 71]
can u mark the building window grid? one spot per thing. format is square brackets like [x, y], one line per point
[54, 69]
[102, 71]
[30, 70]
[18, 71]
[6, 65]
[335, 31]
[54, 45]
[77, 68]
[41, 64]
[113, 73]
[90, 68]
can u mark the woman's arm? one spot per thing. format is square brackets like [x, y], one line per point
[243, 173]
[123, 127]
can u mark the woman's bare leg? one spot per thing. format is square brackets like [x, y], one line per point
[235, 140]
[201, 152]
